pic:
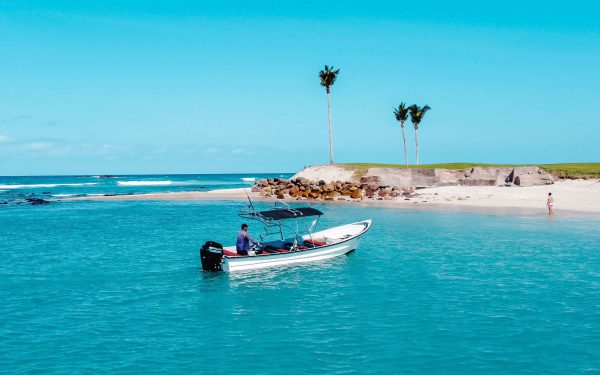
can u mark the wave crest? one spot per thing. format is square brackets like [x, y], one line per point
[157, 183]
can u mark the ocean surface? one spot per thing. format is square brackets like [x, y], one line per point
[117, 287]
[17, 189]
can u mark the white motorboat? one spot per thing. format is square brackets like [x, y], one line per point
[299, 248]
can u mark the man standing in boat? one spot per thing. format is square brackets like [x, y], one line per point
[243, 241]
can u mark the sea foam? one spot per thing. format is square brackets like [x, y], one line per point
[157, 183]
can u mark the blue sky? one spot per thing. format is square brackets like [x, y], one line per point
[208, 87]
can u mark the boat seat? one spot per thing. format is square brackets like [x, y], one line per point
[274, 250]
[230, 253]
[315, 242]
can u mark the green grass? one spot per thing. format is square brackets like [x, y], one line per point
[566, 170]
[573, 170]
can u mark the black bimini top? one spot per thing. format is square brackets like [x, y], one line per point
[288, 213]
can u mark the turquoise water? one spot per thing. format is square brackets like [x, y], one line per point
[116, 287]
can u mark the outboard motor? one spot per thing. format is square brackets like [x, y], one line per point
[211, 254]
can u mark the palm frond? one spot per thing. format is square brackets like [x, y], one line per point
[328, 76]
[417, 113]
[401, 113]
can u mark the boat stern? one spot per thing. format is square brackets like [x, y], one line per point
[211, 256]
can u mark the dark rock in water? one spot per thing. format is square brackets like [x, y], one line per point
[36, 201]
[46, 193]
[107, 176]
[3, 202]
[109, 195]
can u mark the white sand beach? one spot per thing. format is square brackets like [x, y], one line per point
[569, 195]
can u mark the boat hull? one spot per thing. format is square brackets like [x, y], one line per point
[235, 264]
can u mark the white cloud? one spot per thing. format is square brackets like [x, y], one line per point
[4, 138]
[212, 151]
[241, 151]
[39, 146]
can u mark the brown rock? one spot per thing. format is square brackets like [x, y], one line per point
[367, 179]
[331, 194]
[383, 192]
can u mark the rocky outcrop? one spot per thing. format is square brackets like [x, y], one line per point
[486, 176]
[327, 173]
[302, 188]
[533, 179]
[389, 183]
[476, 176]
[36, 201]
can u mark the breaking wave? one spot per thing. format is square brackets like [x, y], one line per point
[157, 183]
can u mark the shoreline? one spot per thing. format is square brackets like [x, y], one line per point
[571, 196]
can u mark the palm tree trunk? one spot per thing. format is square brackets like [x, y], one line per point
[330, 139]
[417, 143]
[404, 139]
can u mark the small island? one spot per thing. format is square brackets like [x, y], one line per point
[467, 185]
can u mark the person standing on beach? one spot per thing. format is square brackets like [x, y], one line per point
[550, 203]
[243, 241]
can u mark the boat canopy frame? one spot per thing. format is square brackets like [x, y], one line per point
[279, 216]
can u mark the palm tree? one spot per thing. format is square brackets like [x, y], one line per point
[401, 115]
[416, 115]
[328, 77]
